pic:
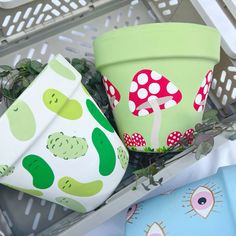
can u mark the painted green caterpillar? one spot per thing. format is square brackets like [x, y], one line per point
[66, 147]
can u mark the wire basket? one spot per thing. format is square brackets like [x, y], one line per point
[39, 30]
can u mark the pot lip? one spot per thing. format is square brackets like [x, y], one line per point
[157, 40]
[159, 27]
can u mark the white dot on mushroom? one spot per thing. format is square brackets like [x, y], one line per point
[134, 87]
[210, 75]
[142, 93]
[198, 99]
[152, 98]
[142, 79]
[170, 103]
[171, 88]
[143, 112]
[200, 108]
[154, 88]
[155, 75]
[132, 106]
[112, 90]
[205, 90]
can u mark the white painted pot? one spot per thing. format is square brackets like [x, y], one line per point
[57, 145]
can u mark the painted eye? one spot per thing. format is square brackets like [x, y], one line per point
[202, 201]
[156, 230]
[131, 212]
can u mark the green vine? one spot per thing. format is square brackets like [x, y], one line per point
[14, 80]
[203, 143]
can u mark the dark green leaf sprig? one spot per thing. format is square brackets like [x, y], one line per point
[203, 143]
[14, 80]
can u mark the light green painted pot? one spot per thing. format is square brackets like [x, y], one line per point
[157, 77]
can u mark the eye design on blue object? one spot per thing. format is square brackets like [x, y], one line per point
[156, 229]
[132, 213]
[203, 200]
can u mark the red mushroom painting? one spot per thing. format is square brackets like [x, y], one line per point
[201, 97]
[175, 136]
[188, 134]
[112, 92]
[149, 93]
[136, 140]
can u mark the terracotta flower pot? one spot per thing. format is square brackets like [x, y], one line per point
[157, 78]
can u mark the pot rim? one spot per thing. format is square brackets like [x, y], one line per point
[157, 40]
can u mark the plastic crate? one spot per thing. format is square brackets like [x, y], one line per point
[39, 30]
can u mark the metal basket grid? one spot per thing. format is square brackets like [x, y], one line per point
[40, 29]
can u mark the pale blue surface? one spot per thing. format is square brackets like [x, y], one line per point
[223, 156]
[169, 210]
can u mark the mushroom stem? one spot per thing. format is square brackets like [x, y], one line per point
[156, 123]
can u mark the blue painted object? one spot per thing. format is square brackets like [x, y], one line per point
[206, 207]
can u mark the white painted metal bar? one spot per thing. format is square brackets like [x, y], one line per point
[213, 15]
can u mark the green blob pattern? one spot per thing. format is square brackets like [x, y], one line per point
[76, 188]
[62, 70]
[33, 192]
[6, 170]
[66, 147]
[123, 157]
[98, 116]
[71, 204]
[42, 174]
[21, 121]
[57, 102]
[106, 152]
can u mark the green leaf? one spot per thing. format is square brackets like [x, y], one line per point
[4, 73]
[203, 149]
[79, 68]
[162, 149]
[232, 137]
[36, 66]
[148, 149]
[202, 137]
[201, 127]
[210, 115]
[5, 68]
[23, 63]
[76, 61]
[32, 71]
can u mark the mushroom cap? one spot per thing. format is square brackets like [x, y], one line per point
[148, 85]
[138, 140]
[128, 140]
[112, 92]
[173, 138]
[201, 97]
[189, 135]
